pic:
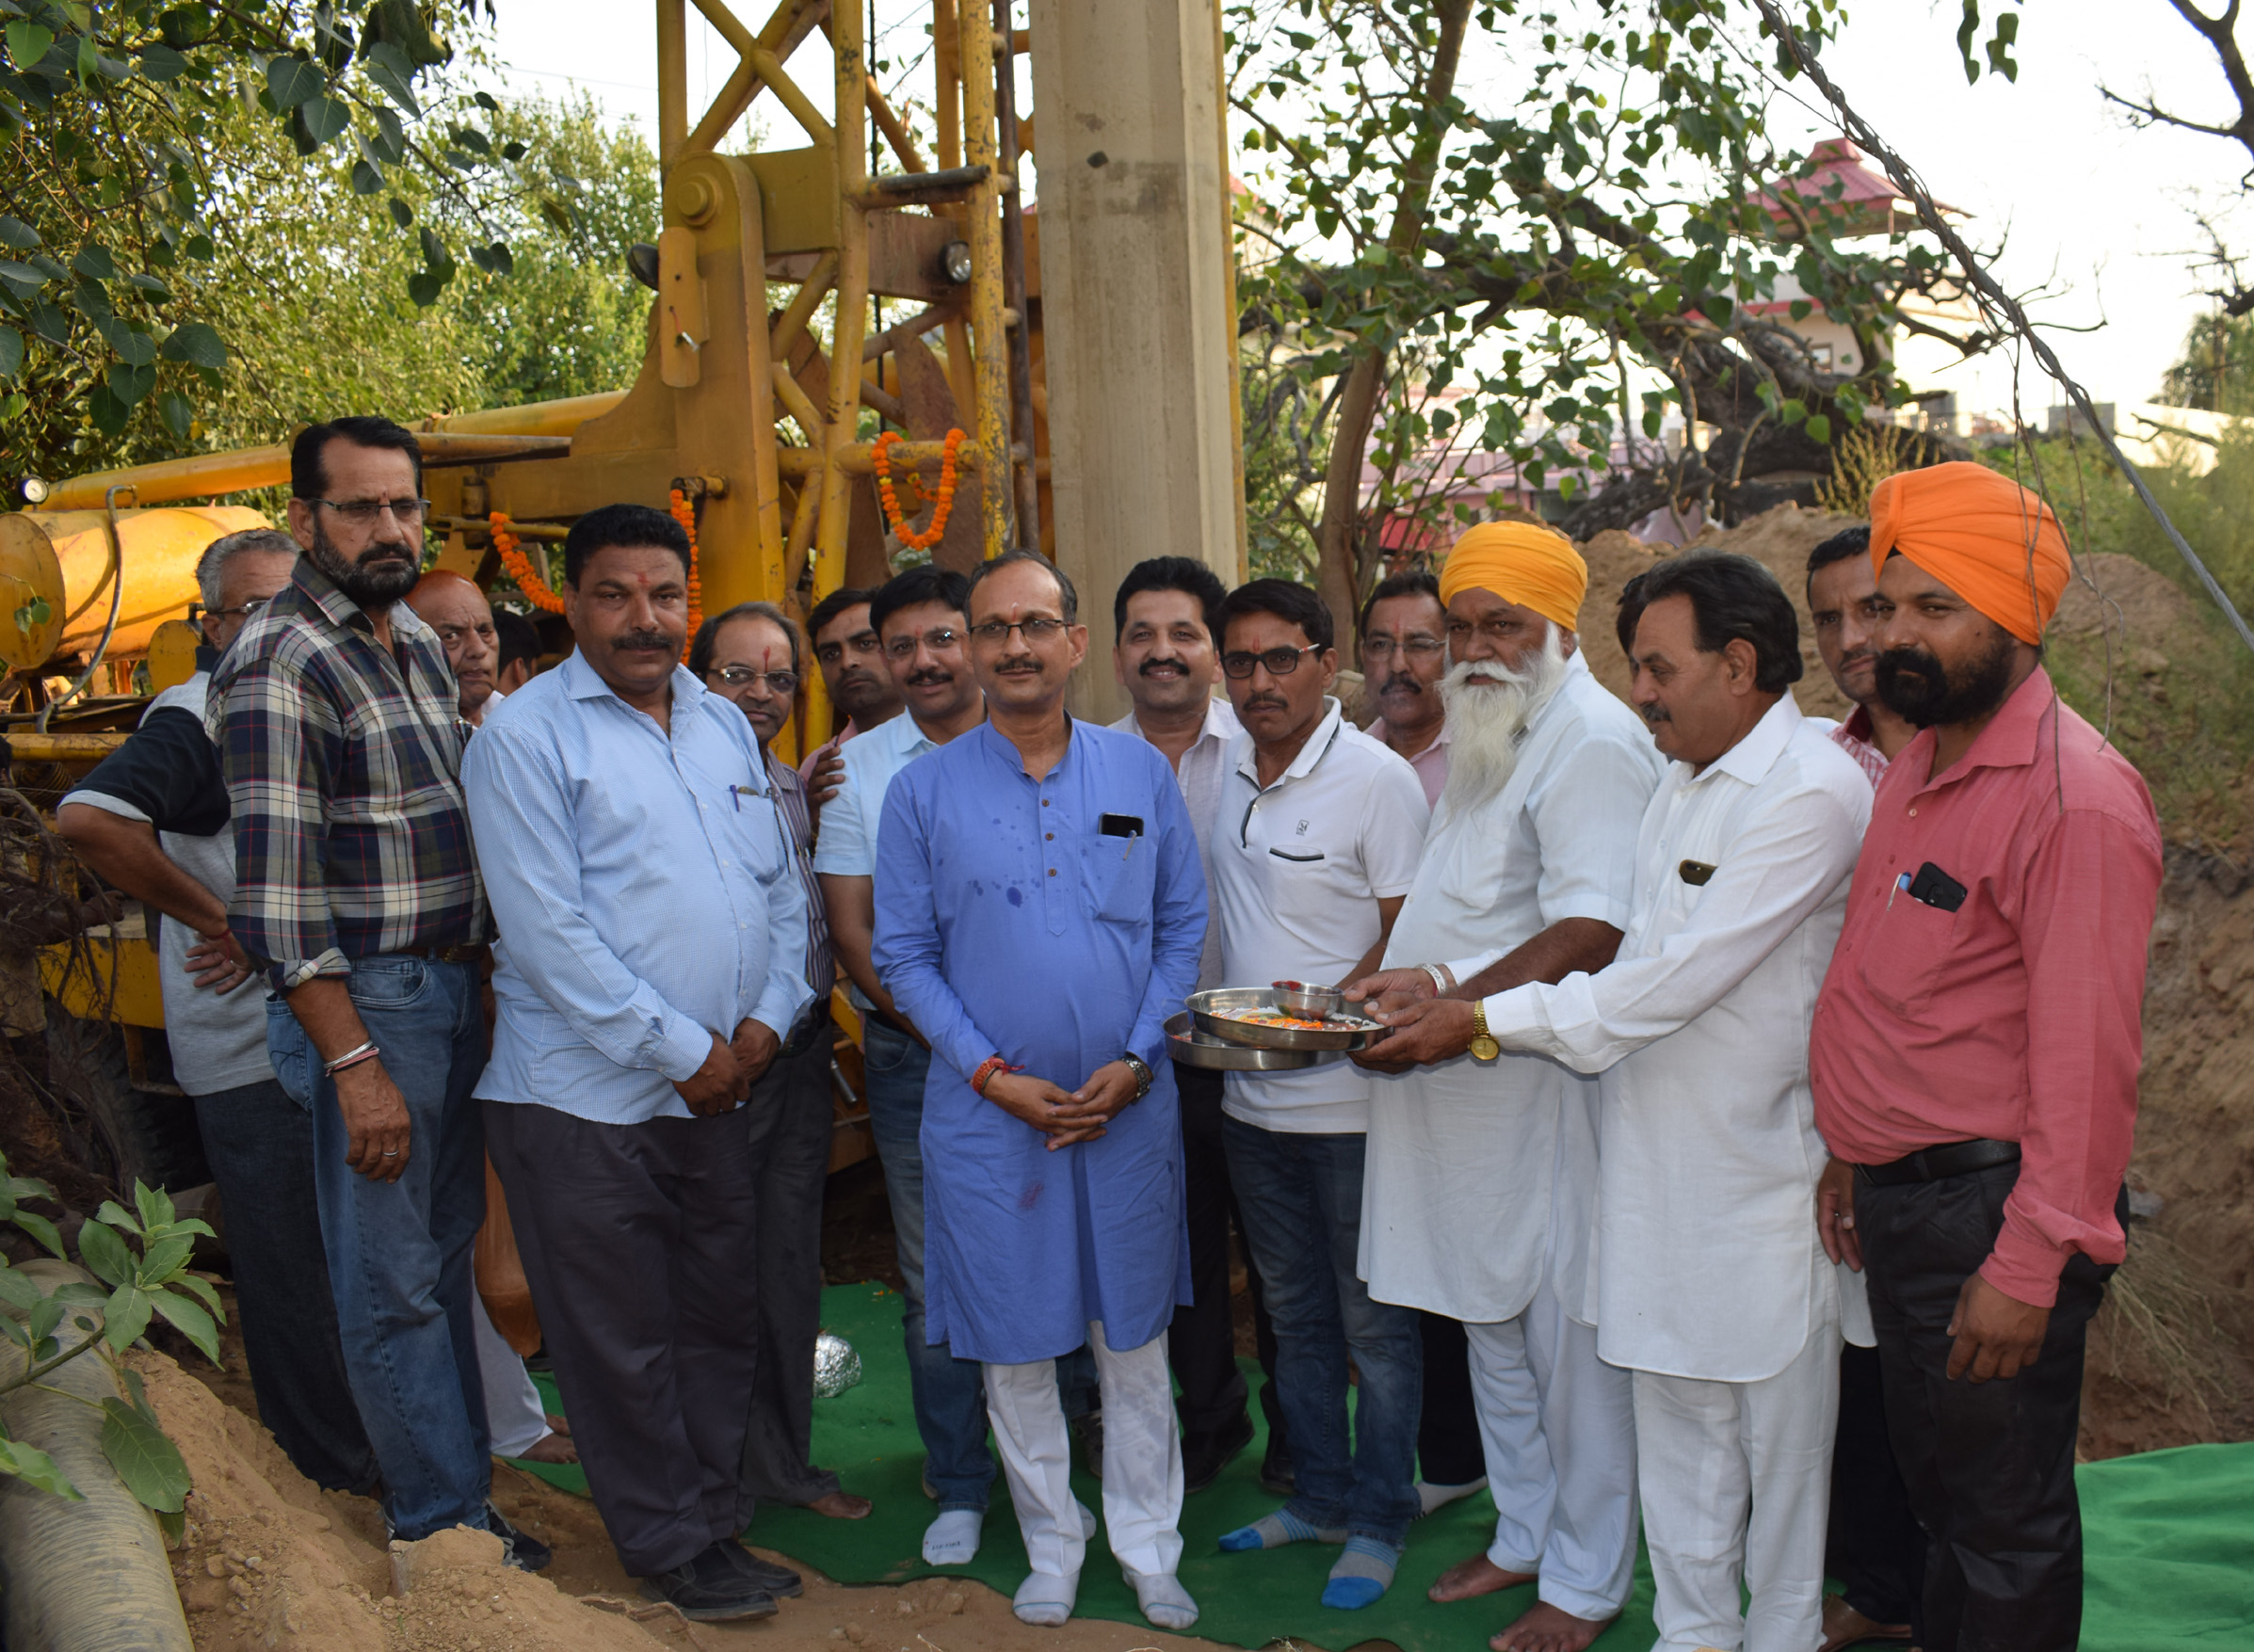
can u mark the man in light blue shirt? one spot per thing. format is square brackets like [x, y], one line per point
[1040, 909]
[918, 616]
[652, 956]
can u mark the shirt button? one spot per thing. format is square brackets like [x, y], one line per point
[1051, 872]
[1049, 836]
[1913, 815]
[1044, 803]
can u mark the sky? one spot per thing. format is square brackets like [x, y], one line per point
[2091, 215]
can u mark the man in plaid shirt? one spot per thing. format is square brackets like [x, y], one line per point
[357, 891]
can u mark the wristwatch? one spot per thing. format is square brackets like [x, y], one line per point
[1484, 1047]
[1142, 1074]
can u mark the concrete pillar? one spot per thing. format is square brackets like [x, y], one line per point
[1139, 304]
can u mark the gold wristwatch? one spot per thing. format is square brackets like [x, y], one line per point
[1484, 1047]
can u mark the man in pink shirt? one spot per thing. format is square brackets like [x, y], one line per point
[1975, 1051]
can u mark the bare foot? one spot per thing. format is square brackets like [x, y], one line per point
[1550, 1629]
[558, 1426]
[552, 1448]
[1474, 1577]
[1845, 1627]
[840, 1505]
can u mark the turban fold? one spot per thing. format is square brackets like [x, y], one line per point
[1979, 533]
[1533, 567]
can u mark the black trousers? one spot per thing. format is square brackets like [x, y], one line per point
[1202, 1341]
[1989, 1465]
[260, 1145]
[1877, 1549]
[1449, 1449]
[640, 1243]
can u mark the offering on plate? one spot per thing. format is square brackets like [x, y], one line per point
[1255, 1016]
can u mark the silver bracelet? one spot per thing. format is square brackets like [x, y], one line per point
[358, 1053]
[1444, 981]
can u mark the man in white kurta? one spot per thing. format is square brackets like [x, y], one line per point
[1708, 1285]
[1527, 874]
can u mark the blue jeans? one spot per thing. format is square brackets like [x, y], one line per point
[949, 1393]
[399, 1251]
[1301, 1199]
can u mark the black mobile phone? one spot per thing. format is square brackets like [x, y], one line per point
[1120, 825]
[1937, 889]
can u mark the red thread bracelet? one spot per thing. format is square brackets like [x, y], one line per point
[988, 1069]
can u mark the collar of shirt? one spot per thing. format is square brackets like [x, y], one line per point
[1857, 726]
[1318, 745]
[581, 682]
[1220, 724]
[2010, 741]
[1379, 730]
[1757, 751]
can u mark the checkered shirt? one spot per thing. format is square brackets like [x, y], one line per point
[1856, 738]
[344, 765]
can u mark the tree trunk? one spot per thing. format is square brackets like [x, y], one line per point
[1339, 575]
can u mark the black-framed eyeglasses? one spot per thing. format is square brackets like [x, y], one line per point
[1039, 629]
[783, 682]
[248, 610]
[1279, 661]
[361, 513]
[903, 647]
[1416, 648]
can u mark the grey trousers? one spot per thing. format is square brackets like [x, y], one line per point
[788, 1121]
[640, 1242]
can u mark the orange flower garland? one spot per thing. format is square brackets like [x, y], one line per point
[685, 514]
[519, 566]
[894, 514]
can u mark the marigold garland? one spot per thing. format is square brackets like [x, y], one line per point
[685, 514]
[520, 567]
[894, 514]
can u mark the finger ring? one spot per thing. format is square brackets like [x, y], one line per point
[391, 1153]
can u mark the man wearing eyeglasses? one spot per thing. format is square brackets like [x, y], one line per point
[357, 891]
[751, 654]
[652, 958]
[918, 617]
[1314, 845]
[1404, 656]
[1040, 908]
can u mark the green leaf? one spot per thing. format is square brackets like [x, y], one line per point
[146, 1460]
[18, 1289]
[192, 1322]
[155, 1204]
[173, 1524]
[203, 1288]
[104, 1251]
[118, 1217]
[160, 62]
[89, 66]
[153, 285]
[425, 288]
[197, 344]
[177, 413]
[325, 118]
[388, 67]
[28, 43]
[125, 1320]
[290, 81]
[184, 25]
[199, 247]
[367, 180]
[17, 234]
[37, 1225]
[402, 214]
[1819, 427]
[167, 1255]
[436, 259]
[21, 277]
[43, 1317]
[35, 1467]
[138, 1391]
[77, 1292]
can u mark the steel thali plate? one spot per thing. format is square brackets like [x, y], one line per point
[1205, 1009]
[1192, 1048]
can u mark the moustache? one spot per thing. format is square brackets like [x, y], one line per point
[930, 677]
[1656, 714]
[642, 642]
[1399, 682]
[1154, 666]
[1267, 703]
[385, 551]
[1018, 665]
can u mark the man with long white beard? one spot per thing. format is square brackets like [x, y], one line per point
[1527, 874]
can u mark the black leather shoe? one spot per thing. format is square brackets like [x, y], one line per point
[1204, 1455]
[520, 1549]
[780, 1581]
[1277, 1476]
[711, 1588]
[1088, 1431]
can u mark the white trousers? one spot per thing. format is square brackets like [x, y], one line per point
[1142, 1457]
[513, 1415]
[1560, 1436]
[1737, 1483]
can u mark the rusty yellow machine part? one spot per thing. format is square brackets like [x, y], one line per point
[172, 654]
[31, 593]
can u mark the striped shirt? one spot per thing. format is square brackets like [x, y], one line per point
[790, 800]
[1855, 737]
[344, 766]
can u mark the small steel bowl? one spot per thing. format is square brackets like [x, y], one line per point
[1303, 998]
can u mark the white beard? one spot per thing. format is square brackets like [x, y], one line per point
[1487, 719]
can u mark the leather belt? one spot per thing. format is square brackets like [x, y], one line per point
[464, 952]
[1935, 1164]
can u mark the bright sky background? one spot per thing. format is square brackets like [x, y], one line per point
[2096, 213]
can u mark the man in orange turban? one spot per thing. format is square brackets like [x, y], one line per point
[1523, 563]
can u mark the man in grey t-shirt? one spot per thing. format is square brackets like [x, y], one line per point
[152, 819]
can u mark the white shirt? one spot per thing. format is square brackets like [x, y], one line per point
[1506, 1150]
[846, 846]
[1199, 773]
[1298, 872]
[1707, 1263]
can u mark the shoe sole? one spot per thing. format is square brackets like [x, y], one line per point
[765, 1606]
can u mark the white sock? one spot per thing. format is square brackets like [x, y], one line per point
[952, 1540]
[1087, 1521]
[1163, 1598]
[1439, 1497]
[1046, 1599]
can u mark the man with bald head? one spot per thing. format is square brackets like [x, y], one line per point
[1975, 1050]
[1527, 874]
[458, 611]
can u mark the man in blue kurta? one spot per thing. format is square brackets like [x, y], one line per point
[1039, 910]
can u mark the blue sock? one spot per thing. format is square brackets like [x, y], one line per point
[1362, 1575]
[1275, 1531]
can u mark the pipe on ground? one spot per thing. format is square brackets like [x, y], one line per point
[79, 1576]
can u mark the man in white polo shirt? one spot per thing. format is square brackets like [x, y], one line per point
[918, 616]
[1315, 846]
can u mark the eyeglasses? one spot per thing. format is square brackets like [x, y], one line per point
[1416, 648]
[939, 642]
[1037, 629]
[361, 513]
[1279, 661]
[197, 611]
[783, 682]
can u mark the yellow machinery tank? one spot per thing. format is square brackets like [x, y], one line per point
[158, 550]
